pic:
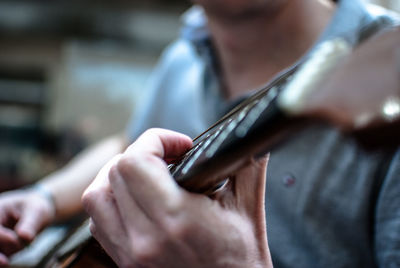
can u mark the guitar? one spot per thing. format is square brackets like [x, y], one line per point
[251, 129]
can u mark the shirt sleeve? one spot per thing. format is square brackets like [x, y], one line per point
[171, 98]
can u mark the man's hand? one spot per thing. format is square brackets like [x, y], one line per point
[142, 218]
[23, 213]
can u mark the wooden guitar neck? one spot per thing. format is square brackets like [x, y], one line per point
[251, 129]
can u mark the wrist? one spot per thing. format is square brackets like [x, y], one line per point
[45, 193]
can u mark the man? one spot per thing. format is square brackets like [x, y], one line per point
[143, 219]
[251, 42]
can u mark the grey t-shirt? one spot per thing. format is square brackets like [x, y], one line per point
[329, 202]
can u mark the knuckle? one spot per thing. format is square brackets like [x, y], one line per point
[89, 199]
[92, 228]
[113, 174]
[125, 165]
[153, 131]
[177, 228]
[146, 249]
[176, 206]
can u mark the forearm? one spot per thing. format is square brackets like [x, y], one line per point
[67, 184]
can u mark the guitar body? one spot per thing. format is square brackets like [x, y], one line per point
[79, 250]
[90, 254]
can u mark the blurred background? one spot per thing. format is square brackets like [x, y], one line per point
[71, 72]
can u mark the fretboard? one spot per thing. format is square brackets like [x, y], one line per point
[258, 123]
[243, 132]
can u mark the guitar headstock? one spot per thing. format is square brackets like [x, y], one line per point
[353, 89]
[295, 98]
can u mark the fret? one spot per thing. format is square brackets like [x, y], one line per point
[204, 146]
[249, 130]
[193, 155]
[215, 143]
[208, 145]
[255, 113]
[240, 116]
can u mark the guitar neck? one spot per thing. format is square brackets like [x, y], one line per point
[250, 129]
[247, 130]
[257, 124]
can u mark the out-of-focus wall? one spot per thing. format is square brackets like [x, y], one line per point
[71, 72]
[97, 84]
[390, 4]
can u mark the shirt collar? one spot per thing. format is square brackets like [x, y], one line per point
[349, 20]
[195, 25]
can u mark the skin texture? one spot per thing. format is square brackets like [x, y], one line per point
[255, 40]
[142, 218]
[244, 33]
[23, 213]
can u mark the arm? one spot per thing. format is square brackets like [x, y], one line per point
[23, 213]
[142, 217]
[67, 185]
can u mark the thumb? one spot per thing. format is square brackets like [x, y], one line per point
[248, 188]
[245, 192]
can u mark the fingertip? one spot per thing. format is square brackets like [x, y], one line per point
[8, 235]
[27, 228]
[27, 235]
[175, 144]
[165, 143]
[3, 260]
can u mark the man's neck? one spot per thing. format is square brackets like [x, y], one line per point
[252, 50]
